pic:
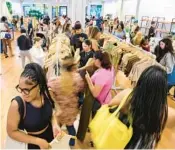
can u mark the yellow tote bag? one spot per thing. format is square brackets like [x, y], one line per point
[95, 124]
[107, 131]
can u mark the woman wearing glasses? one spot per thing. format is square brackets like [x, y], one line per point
[32, 111]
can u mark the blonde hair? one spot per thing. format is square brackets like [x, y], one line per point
[94, 32]
[36, 39]
[89, 30]
[138, 38]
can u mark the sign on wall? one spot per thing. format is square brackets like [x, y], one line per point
[96, 10]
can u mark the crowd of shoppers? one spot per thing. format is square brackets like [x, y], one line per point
[33, 110]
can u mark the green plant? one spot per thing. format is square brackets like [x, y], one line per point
[35, 13]
[9, 6]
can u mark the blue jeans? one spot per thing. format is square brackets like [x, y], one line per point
[81, 98]
[71, 131]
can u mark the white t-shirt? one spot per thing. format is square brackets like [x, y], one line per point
[2, 26]
[94, 23]
[4, 29]
[62, 20]
[38, 55]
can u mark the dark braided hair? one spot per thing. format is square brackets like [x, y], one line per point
[35, 73]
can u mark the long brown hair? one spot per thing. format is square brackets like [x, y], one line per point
[89, 30]
[94, 32]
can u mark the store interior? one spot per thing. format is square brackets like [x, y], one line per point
[84, 53]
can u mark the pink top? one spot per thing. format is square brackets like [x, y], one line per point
[104, 78]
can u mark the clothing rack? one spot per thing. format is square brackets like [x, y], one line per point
[138, 48]
[130, 64]
[143, 51]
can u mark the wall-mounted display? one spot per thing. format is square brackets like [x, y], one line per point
[27, 8]
[96, 10]
[54, 11]
[42, 8]
[62, 10]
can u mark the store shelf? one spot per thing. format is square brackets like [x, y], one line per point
[165, 22]
[163, 27]
[146, 20]
[162, 31]
[145, 27]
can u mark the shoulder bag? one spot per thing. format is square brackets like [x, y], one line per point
[13, 144]
[108, 131]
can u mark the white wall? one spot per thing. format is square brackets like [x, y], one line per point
[110, 8]
[151, 8]
[4, 10]
[78, 11]
[160, 8]
[17, 8]
[129, 7]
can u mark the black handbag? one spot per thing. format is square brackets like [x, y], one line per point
[96, 106]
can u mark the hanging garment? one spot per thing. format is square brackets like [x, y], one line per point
[130, 64]
[125, 59]
[138, 69]
[38, 55]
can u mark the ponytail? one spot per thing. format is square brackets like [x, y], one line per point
[36, 74]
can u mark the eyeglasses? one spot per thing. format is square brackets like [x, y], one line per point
[25, 91]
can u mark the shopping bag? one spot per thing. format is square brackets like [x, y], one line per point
[38, 55]
[12, 144]
[2, 35]
[98, 120]
[8, 36]
[107, 131]
[61, 141]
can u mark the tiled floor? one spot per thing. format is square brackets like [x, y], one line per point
[11, 69]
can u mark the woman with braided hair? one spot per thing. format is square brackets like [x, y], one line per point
[32, 110]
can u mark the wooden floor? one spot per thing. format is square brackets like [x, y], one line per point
[10, 72]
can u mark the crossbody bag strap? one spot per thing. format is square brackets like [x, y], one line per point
[22, 107]
[106, 95]
[123, 102]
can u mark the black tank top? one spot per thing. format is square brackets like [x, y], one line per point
[36, 119]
